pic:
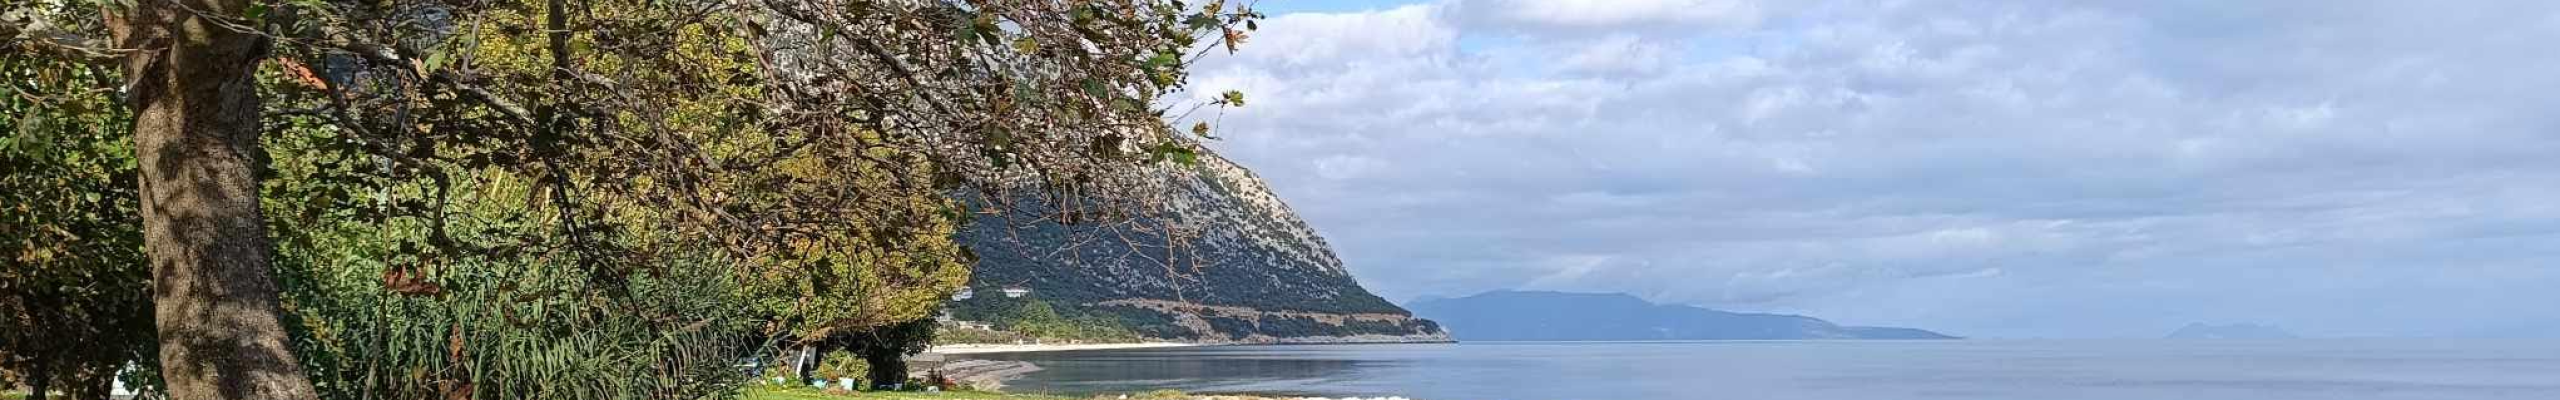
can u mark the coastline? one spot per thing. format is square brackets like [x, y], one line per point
[954, 362]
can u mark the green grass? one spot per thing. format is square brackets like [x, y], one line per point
[807, 394]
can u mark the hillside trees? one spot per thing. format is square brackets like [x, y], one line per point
[795, 147]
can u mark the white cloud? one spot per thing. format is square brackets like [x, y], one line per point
[1619, 55]
[1869, 160]
[1602, 15]
[1296, 40]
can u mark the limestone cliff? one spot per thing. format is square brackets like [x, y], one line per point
[1253, 273]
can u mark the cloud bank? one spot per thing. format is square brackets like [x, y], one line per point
[1992, 168]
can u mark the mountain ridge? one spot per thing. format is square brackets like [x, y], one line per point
[1509, 315]
[1260, 274]
[2243, 330]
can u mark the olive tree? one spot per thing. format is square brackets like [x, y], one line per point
[626, 135]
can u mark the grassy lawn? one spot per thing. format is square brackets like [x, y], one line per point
[806, 394]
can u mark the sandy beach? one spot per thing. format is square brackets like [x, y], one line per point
[1026, 348]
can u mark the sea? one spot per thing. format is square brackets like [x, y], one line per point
[2343, 369]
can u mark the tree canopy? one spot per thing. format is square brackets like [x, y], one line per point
[558, 177]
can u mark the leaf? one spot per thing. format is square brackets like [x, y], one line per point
[1201, 21]
[1094, 88]
[1234, 38]
[1200, 129]
[985, 27]
[1183, 155]
[1231, 98]
[437, 60]
[999, 138]
[1026, 45]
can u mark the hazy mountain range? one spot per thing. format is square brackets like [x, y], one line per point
[1557, 316]
[2230, 331]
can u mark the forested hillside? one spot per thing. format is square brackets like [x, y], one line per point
[1252, 271]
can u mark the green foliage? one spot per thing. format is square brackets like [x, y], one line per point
[74, 302]
[897, 340]
[1032, 318]
[445, 264]
[507, 328]
[557, 201]
[804, 393]
[951, 335]
[885, 348]
[842, 364]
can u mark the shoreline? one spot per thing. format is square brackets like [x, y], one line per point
[991, 375]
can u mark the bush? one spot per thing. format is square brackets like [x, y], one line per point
[496, 331]
[842, 364]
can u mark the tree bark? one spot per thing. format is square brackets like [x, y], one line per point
[887, 372]
[40, 378]
[196, 133]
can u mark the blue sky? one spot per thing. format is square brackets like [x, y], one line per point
[1323, 6]
[2049, 168]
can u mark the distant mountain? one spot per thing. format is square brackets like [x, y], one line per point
[1262, 275]
[2231, 331]
[1556, 316]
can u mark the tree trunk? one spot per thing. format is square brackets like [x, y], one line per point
[889, 372]
[40, 378]
[196, 133]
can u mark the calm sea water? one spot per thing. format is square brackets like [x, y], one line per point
[1842, 370]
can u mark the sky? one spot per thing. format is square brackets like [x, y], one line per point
[2027, 169]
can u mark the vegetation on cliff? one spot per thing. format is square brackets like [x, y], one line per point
[1255, 272]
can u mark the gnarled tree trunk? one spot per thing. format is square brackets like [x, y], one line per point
[40, 378]
[887, 371]
[196, 131]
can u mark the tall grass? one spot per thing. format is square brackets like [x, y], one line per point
[523, 332]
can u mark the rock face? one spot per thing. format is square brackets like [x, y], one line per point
[1554, 316]
[2231, 331]
[1255, 272]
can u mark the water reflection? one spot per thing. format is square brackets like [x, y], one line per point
[1852, 370]
[1264, 370]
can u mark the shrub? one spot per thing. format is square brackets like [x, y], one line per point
[842, 364]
